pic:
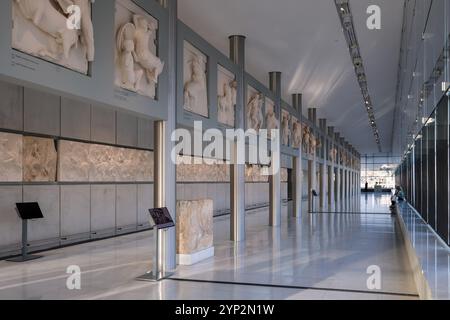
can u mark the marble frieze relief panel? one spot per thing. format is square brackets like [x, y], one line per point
[50, 29]
[227, 93]
[193, 169]
[100, 163]
[271, 117]
[297, 133]
[285, 128]
[195, 80]
[137, 65]
[10, 157]
[254, 112]
[194, 226]
[39, 159]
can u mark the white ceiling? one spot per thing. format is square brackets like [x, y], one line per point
[304, 40]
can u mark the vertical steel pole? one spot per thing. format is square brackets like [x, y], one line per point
[275, 177]
[297, 165]
[237, 183]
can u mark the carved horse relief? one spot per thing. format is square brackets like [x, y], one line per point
[46, 34]
[137, 68]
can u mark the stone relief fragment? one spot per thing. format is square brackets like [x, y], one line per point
[189, 171]
[255, 117]
[81, 162]
[195, 84]
[11, 157]
[39, 159]
[195, 230]
[49, 29]
[137, 66]
[227, 93]
[285, 128]
[297, 133]
[271, 117]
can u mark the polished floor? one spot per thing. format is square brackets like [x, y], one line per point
[432, 253]
[319, 256]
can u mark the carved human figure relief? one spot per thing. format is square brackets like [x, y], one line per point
[40, 29]
[297, 133]
[129, 77]
[272, 122]
[152, 65]
[254, 113]
[137, 66]
[285, 128]
[306, 139]
[195, 85]
[227, 94]
[333, 154]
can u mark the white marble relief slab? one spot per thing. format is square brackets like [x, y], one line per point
[11, 157]
[254, 110]
[272, 122]
[82, 162]
[286, 132]
[195, 80]
[297, 133]
[227, 93]
[39, 159]
[40, 29]
[189, 171]
[137, 66]
[195, 230]
[255, 173]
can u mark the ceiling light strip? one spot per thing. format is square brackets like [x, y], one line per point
[345, 14]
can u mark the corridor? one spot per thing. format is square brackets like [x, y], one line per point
[318, 256]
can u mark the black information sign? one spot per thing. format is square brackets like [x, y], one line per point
[161, 218]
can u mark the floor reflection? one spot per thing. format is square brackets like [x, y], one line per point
[315, 256]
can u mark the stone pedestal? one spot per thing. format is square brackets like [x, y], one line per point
[194, 231]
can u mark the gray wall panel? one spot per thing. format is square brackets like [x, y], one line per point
[11, 106]
[145, 133]
[41, 112]
[48, 199]
[10, 223]
[103, 124]
[127, 129]
[145, 202]
[75, 210]
[75, 119]
[126, 205]
[103, 207]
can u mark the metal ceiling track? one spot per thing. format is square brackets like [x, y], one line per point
[345, 15]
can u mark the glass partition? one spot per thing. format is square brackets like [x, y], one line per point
[442, 168]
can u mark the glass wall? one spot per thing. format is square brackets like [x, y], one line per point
[424, 174]
[378, 171]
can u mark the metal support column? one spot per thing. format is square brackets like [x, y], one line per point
[237, 185]
[323, 168]
[312, 169]
[297, 193]
[275, 177]
[331, 178]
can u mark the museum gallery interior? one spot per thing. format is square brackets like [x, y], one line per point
[224, 150]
